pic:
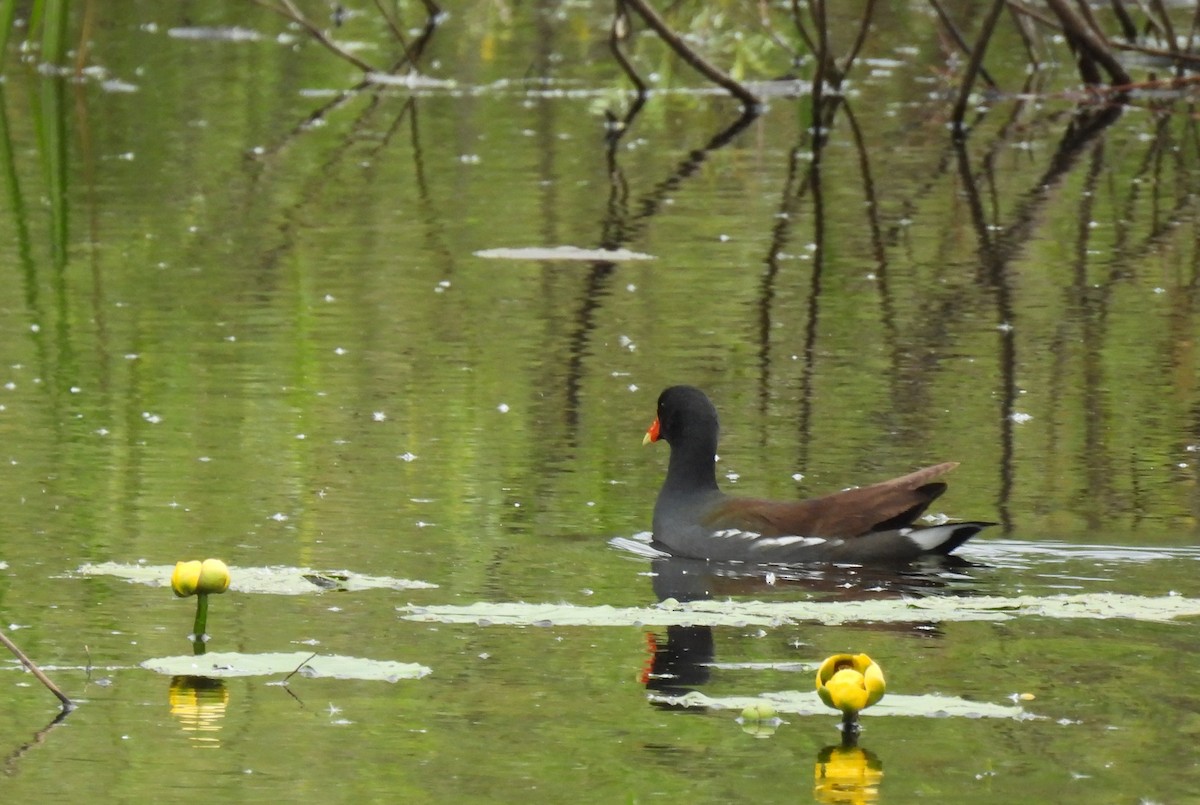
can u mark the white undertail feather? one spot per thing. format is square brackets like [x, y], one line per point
[930, 539]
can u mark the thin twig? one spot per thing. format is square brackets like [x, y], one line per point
[957, 36]
[45, 680]
[1034, 14]
[1179, 55]
[1085, 10]
[393, 26]
[1026, 37]
[288, 9]
[298, 667]
[1151, 21]
[800, 28]
[1162, 83]
[1168, 28]
[764, 19]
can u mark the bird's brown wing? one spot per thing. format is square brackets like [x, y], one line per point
[895, 503]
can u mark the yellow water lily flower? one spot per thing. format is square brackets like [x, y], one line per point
[196, 577]
[850, 683]
[214, 577]
[186, 578]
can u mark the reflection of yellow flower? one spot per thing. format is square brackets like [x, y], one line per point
[199, 703]
[195, 577]
[847, 774]
[850, 683]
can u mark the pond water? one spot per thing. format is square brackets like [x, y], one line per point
[248, 317]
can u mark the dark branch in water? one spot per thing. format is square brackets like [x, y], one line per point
[975, 65]
[32, 666]
[694, 59]
[618, 33]
[1090, 47]
[1168, 28]
[1128, 29]
[863, 26]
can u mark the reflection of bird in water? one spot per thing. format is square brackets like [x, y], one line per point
[680, 663]
[682, 659]
[693, 517]
[699, 580]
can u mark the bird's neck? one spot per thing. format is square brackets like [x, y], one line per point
[693, 467]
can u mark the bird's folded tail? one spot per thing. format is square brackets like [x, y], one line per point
[943, 539]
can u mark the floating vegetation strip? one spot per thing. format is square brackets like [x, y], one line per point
[563, 253]
[270, 580]
[759, 613]
[234, 663]
[807, 703]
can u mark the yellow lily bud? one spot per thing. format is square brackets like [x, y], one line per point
[850, 683]
[214, 577]
[185, 578]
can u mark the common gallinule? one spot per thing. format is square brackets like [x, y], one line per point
[862, 525]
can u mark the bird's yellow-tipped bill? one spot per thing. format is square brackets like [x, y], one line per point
[651, 433]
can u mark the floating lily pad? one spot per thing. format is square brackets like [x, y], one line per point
[807, 703]
[760, 613]
[234, 663]
[216, 34]
[563, 253]
[271, 580]
[1021, 553]
[521, 614]
[411, 81]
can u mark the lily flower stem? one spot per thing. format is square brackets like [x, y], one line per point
[201, 616]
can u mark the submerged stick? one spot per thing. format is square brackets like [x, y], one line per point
[45, 680]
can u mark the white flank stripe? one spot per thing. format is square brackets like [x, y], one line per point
[737, 532]
[784, 542]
